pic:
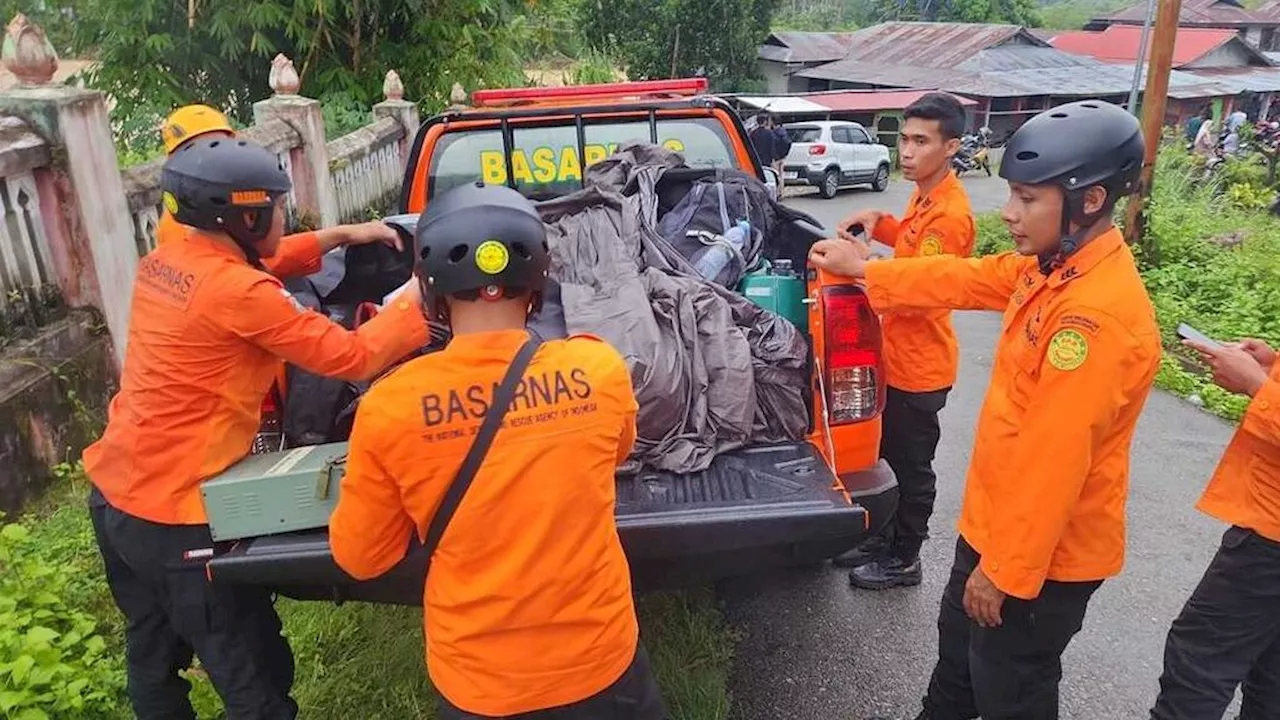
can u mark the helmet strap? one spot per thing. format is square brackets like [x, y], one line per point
[1072, 213]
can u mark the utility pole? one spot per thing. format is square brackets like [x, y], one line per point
[1142, 54]
[1159, 65]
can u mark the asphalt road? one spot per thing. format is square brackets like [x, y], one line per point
[813, 648]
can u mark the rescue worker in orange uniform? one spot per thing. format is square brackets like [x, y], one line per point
[298, 255]
[920, 351]
[1043, 520]
[528, 605]
[1228, 634]
[206, 334]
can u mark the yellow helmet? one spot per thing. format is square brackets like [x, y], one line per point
[191, 121]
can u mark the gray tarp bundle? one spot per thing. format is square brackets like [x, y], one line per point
[711, 370]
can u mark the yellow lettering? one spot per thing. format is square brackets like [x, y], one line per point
[594, 154]
[544, 165]
[493, 168]
[674, 145]
[520, 167]
[570, 169]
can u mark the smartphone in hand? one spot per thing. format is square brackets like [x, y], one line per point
[1186, 332]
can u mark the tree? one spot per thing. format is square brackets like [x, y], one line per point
[680, 38]
[157, 54]
[1013, 12]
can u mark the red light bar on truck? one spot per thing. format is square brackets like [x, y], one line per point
[649, 88]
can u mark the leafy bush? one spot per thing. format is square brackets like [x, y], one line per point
[54, 663]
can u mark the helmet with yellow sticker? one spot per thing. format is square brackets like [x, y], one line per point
[225, 185]
[480, 241]
[190, 122]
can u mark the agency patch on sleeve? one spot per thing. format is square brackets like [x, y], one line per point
[492, 257]
[170, 203]
[931, 245]
[1068, 349]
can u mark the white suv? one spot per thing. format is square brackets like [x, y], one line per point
[833, 154]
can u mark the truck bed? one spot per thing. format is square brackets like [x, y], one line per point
[752, 509]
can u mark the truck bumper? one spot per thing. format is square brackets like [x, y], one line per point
[681, 547]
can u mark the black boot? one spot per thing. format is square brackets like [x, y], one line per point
[887, 572]
[870, 550]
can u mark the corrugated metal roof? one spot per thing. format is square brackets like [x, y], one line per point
[782, 104]
[863, 100]
[1197, 12]
[936, 45]
[1120, 43]
[804, 47]
[1239, 80]
[1023, 57]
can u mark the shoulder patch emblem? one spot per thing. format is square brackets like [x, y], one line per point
[1068, 349]
[492, 257]
[931, 245]
[170, 203]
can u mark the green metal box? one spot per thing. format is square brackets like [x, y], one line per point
[778, 289]
[275, 493]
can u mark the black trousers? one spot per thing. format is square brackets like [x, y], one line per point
[1227, 634]
[172, 611]
[1010, 672]
[634, 696]
[908, 440]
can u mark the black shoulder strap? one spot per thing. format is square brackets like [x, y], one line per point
[480, 446]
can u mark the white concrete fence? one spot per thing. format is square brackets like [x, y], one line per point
[75, 224]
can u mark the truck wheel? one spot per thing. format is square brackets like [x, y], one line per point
[881, 183]
[830, 184]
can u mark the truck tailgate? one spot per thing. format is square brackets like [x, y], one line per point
[752, 509]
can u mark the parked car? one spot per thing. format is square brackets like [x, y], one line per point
[831, 155]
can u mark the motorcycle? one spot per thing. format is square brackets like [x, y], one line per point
[973, 153]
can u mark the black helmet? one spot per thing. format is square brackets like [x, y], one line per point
[479, 240]
[1077, 146]
[225, 184]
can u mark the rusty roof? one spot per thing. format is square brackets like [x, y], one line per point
[937, 45]
[1200, 13]
[804, 47]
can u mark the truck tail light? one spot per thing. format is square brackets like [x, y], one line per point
[270, 437]
[818, 149]
[854, 380]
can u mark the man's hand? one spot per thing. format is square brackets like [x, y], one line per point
[983, 600]
[868, 219]
[1234, 368]
[372, 232]
[1259, 351]
[841, 257]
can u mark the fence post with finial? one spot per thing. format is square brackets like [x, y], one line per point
[313, 190]
[405, 112]
[81, 197]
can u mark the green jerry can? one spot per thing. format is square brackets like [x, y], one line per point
[275, 493]
[779, 289]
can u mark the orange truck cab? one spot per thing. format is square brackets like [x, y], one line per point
[754, 508]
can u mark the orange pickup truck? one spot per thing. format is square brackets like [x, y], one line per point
[754, 508]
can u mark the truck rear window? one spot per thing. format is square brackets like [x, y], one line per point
[544, 158]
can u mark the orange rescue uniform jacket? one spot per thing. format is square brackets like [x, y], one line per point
[1047, 485]
[206, 335]
[1245, 489]
[920, 349]
[528, 602]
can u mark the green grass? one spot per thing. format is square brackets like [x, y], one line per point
[366, 661]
